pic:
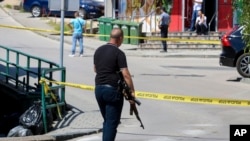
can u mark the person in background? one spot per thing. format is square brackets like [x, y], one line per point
[163, 24]
[77, 26]
[108, 60]
[201, 24]
[197, 5]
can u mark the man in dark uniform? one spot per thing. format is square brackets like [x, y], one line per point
[108, 60]
[163, 24]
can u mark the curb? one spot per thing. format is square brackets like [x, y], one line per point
[30, 138]
[62, 137]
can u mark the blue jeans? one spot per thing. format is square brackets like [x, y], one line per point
[77, 37]
[110, 102]
[193, 20]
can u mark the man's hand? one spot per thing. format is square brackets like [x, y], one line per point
[131, 101]
[159, 26]
[133, 96]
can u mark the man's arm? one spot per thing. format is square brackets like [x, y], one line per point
[70, 26]
[84, 29]
[127, 77]
[169, 19]
[197, 21]
[202, 18]
[159, 21]
[84, 26]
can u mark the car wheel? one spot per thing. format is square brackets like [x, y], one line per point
[36, 11]
[83, 13]
[243, 65]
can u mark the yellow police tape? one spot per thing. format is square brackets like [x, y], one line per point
[215, 42]
[47, 90]
[167, 97]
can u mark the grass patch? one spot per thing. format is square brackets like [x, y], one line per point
[8, 6]
[57, 25]
[22, 10]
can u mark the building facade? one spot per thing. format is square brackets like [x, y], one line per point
[220, 13]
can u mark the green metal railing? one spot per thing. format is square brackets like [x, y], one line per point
[24, 72]
[52, 86]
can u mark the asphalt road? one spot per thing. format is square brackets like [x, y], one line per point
[163, 120]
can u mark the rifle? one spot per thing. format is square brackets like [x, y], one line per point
[126, 91]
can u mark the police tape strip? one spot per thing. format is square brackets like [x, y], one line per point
[215, 42]
[192, 99]
[167, 97]
[29, 28]
[48, 91]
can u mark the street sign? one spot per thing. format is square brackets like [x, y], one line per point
[70, 5]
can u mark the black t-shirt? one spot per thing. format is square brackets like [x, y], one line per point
[108, 60]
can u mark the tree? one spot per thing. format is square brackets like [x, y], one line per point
[242, 8]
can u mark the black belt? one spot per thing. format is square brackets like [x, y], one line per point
[106, 85]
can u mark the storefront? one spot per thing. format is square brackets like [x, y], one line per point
[143, 11]
[219, 13]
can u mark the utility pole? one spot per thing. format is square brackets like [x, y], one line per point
[62, 41]
[109, 8]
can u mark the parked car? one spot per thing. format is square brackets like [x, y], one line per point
[233, 55]
[91, 8]
[87, 9]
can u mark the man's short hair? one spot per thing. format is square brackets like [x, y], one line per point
[159, 9]
[116, 33]
[163, 9]
[77, 14]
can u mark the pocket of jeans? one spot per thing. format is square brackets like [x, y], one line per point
[111, 95]
[117, 96]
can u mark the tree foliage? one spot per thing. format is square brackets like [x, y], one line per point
[243, 11]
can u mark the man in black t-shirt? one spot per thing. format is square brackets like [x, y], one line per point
[108, 60]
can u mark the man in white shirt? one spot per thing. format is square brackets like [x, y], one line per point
[201, 23]
[197, 5]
